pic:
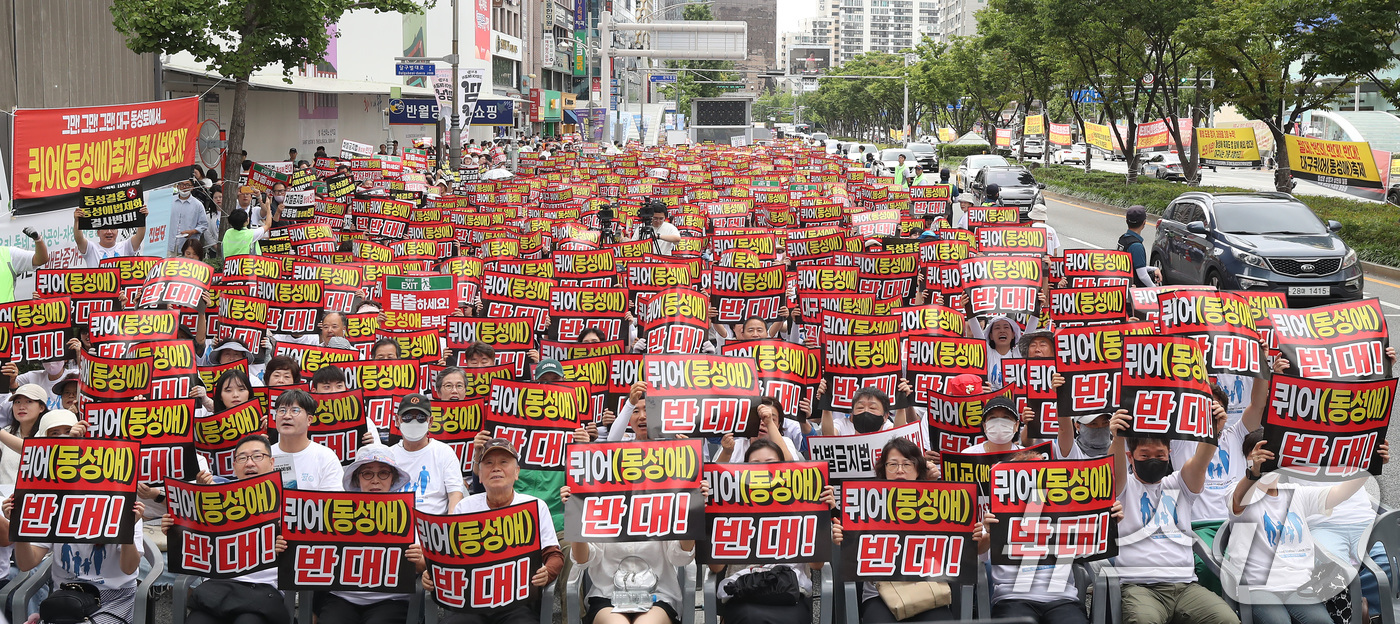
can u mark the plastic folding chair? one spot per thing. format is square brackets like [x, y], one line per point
[27, 589]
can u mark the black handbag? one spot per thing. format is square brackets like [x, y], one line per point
[71, 603]
[774, 586]
[226, 600]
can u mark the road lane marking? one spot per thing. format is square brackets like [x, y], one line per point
[1084, 242]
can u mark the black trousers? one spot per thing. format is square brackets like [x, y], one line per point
[1058, 612]
[332, 608]
[527, 612]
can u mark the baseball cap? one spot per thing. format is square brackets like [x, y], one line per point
[1088, 418]
[497, 444]
[416, 403]
[965, 384]
[1136, 215]
[547, 366]
[1024, 342]
[339, 342]
[999, 403]
[230, 345]
[32, 391]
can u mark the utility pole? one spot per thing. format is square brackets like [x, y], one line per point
[455, 140]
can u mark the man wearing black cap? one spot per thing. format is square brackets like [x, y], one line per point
[434, 472]
[1131, 242]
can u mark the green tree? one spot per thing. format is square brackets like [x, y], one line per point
[699, 81]
[238, 37]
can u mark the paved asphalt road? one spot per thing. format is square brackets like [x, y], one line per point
[1080, 226]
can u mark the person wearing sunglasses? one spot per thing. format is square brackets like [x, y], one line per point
[434, 472]
[305, 465]
[374, 470]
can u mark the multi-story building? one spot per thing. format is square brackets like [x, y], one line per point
[882, 25]
[958, 18]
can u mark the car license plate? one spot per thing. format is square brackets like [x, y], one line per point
[1309, 291]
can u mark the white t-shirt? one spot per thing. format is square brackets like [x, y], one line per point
[1041, 583]
[1238, 388]
[315, 468]
[662, 247]
[96, 253]
[1227, 467]
[741, 445]
[40, 378]
[1277, 553]
[433, 472]
[99, 564]
[1052, 239]
[1154, 538]
[21, 260]
[477, 502]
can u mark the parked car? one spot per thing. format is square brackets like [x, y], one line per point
[819, 136]
[1017, 187]
[1071, 153]
[1393, 194]
[1164, 166]
[925, 154]
[1033, 147]
[889, 159]
[972, 164]
[1255, 241]
[856, 155]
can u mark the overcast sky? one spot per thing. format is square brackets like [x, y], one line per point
[790, 12]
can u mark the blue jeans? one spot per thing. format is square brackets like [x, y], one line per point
[1292, 614]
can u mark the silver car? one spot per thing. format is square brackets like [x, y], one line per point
[969, 167]
[889, 159]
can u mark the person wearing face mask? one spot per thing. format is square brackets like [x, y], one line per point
[870, 411]
[1155, 560]
[187, 219]
[45, 377]
[434, 472]
[1000, 424]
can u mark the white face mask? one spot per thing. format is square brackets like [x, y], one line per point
[1000, 431]
[53, 368]
[413, 431]
[185, 194]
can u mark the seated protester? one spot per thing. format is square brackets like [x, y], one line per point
[497, 466]
[1000, 426]
[900, 460]
[66, 389]
[870, 412]
[328, 379]
[590, 335]
[1050, 596]
[478, 355]
[634, 413]
[386, 349]
[1278, 556]
[332, 326]
[965, 201]
[753, 600]
[1226, 468]
[452, 384]
[252, 598]
[1155, 559]
[771, 426]
[281, 371]
[28, 404]
[229, 351]
[434, 474]
[374, 470]
[304, 464]
[45, 377]
[109, 568]
[1001, 335]
[1084, 437]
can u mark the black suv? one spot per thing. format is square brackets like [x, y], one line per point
[1018, 187]
[1255, 241]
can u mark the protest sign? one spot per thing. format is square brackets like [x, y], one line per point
[674, 320]
[1346, 166]
[384, 383]
[909, 531]
[983, 216]
[930, 361]
[955, 422]
[1165, 388]
[1095, 304]
[564, 351]
[571, 310]
[766, 514]
[88, 290]
[932, 199]
[931, 320]
[1223, 324]
[483, 560]
[76, 490]
[539, 419]
[593, 264]
[1090, 359]
[701, 396]
[456, 423]
[115, 378]
[975, 468]
[339, 423]
[1052, 510]
[855, 456]
[114, 332]
[636, 491]
[787, 372]
[1343, 341]
[1012, 239]
[164, 428]
[511, 338]
[1260, 303]
[1228, 147]
[217, 435]
[243, 319]
[209, 375]
[114, 206]
[172, 366]
[40, 329]
[226, 530]
[177, 282]
[1322, 428]
[517, 296]
[1030, 379]
[418, 301]
[133, 272]
[292, 304]
[739, 294]
[312, 358]
[855, 362]
[1002, 285]
[347, 541]
[1091, 268]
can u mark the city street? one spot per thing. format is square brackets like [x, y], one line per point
[1081, 226]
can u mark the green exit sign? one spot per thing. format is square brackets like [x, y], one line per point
[731, 87]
